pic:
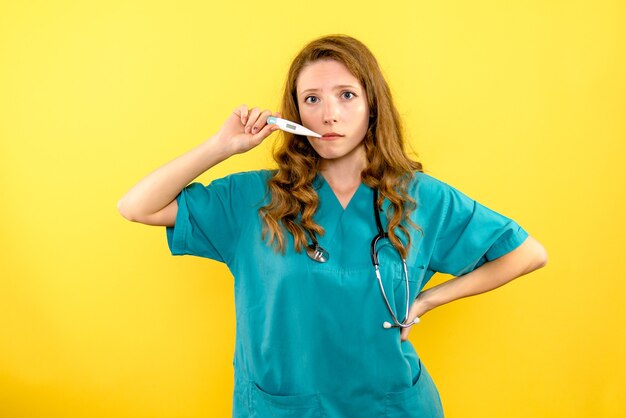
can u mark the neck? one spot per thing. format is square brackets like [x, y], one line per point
[345, 172]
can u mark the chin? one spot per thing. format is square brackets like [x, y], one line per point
[330, 155]
[327, 152]
[336, 150]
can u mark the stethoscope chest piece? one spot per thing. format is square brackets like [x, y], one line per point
[317, 253]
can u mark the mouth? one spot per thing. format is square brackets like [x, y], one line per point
[332, 135]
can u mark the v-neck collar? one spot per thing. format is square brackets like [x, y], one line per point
[335, 219]
[323, 188]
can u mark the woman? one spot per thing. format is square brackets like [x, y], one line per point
[310, 335]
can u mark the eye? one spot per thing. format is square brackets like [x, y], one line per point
[346, 93]
[306, 99]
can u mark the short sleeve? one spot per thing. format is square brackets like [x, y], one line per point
[471, 234]
[206, 223]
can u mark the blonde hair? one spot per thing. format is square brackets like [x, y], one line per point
[293, 198]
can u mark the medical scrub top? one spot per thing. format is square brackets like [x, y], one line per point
[310, 340]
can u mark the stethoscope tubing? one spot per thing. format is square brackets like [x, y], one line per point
[320, 255]
[374, 255]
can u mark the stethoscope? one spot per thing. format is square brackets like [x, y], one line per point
[319, 254]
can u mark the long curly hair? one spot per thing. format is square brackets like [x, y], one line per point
[294, 200]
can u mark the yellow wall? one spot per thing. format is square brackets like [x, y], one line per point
[521, 105]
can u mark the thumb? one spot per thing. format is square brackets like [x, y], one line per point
[404, 334]
[414, 313]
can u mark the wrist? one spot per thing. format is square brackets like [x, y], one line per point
[426, 300]
[219, 148]
[207, 154]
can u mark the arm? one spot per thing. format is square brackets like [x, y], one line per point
[152, 201]
[526, 258]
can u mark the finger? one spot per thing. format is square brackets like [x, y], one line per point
[404, 334]
[261, 121]
[264, 133]
[252, 118]
[242, 112]
[276, 114]
[416, 310]
[412, 319]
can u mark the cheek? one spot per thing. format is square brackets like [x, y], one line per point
[361, 112]
[363, 115]
[306, 118]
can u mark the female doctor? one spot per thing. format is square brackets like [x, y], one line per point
[330, 252]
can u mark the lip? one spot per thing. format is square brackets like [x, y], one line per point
[331, 135]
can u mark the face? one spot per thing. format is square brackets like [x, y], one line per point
[332, 100]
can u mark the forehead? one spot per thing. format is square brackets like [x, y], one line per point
[323, 74]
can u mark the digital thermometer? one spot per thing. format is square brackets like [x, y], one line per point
[291, 127]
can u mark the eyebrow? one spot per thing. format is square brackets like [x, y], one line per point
[342, 86]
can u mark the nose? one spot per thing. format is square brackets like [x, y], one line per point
[331, 112]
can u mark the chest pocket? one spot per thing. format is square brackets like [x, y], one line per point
[393, 275]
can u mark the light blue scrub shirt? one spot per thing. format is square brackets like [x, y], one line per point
[310, 340]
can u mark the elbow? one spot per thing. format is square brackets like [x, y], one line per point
[124, 211]
[540, 256]
[542, 260]
[532, 255]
